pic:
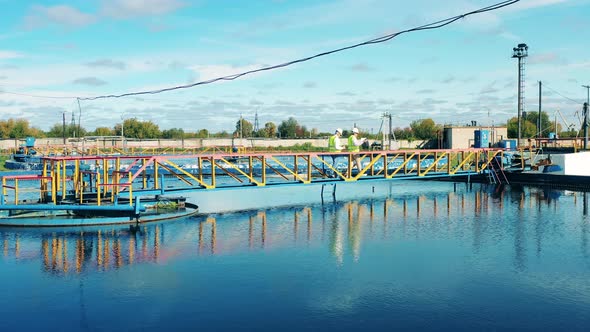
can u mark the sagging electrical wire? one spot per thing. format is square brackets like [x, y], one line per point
[570, 99]
[382, 39]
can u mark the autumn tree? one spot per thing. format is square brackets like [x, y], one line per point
[270, 130]
[18, 128]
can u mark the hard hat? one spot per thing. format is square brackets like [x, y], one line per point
[339, 130]
[355, 130]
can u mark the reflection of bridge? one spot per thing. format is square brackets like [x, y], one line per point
[341, 226]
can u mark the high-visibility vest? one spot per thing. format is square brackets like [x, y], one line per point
[332, 144]
[351, 146]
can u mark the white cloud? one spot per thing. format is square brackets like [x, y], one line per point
[134, 8]
[40, 16]
[108, 63]
[9, 55]
[529, 4]
[361, 67]
[91, 81]
[546, 58]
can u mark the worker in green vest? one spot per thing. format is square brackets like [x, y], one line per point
[334, 146]
[354, 143]
[334, 141]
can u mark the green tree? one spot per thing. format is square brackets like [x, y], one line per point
[173, 133]
[528, 129]
[546, 125]
[288, 128]
[139, 129]
[404, 133]
[424, 129]
[103, 131]
[70, 131]
[203, 133]
[244, 128]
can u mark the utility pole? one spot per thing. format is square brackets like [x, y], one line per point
[585, 126]
[388, 116]
[586, 115]
[64, 126]
[390, 130]
[520, 52]
[539, 130]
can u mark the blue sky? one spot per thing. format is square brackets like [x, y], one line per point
[455, 74]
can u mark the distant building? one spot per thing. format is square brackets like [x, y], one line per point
[472, 136]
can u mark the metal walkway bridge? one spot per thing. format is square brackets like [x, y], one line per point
[112, 180]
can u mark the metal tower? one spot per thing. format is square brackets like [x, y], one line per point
[520, 52]
[256, 124]
[73, 124]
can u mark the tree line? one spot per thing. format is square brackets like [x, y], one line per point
[423, 129]
[134, 128]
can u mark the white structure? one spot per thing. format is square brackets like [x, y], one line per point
[572, 163]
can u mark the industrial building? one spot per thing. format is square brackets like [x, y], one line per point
[463, 137]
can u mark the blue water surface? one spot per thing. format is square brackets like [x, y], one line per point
[428, 256]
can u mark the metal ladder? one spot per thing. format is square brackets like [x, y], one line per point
[495, 170]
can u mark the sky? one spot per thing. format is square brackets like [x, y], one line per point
[53, 52]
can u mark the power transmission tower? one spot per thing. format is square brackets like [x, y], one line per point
[73, 124]
[256, 127]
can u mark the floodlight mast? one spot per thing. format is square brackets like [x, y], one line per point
[520, 52]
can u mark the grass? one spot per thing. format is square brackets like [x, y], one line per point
[2, 160]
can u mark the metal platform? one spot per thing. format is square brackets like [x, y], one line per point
[107, 186]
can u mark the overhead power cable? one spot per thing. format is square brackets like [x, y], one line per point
[35, 96]
[570, 99]
[430, 26]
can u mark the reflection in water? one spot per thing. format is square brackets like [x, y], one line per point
[483, 217]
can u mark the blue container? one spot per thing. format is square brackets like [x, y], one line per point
[482, 139]
[552, 136]
[552, 168]
[513, 145]
[30, 142]
[509, 144]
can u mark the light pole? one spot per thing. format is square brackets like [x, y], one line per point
[520, 52]
[586, 105]
[64, 126]
[123, 130]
